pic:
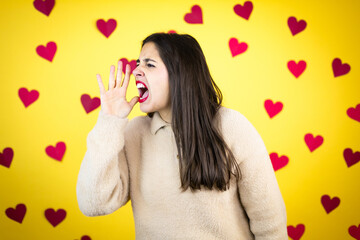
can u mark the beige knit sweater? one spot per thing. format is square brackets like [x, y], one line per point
[137, 160]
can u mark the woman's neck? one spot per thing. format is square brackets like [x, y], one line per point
[166, 116]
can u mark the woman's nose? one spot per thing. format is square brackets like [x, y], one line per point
[138, 72]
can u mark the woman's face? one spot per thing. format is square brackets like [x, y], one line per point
[152, 81]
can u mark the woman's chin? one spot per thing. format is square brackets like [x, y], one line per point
[144, 109]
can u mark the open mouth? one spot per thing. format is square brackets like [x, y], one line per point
[143, 91]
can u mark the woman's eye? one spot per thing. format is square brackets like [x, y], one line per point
[148, 65]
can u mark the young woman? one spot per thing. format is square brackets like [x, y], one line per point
[192, 168]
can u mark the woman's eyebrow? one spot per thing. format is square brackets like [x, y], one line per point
[146, 60]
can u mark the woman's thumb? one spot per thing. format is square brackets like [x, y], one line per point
[133, 101]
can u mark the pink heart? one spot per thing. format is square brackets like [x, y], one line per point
[296, 232]
[88, 103]
[16, 214]
[47, 52]
[339, 68]
[355, 232]
[85, 237]
[244, 11]
[296, 26]
[28, 97]
[237, 48]
[354, 113]
[195, 16]
[55, 217]
[171, 31]
[278, 162]
[329, 204]
[350, 157]
[273, 109]
[132, 64]
[313, 143]
[106, 28]
[44, 6]
[57, 152]
[6, 157]
[296, 68]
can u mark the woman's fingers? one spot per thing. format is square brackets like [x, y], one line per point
[101, 84]
[112, 78]
[125, 84]
[116, 82]
[119, 74]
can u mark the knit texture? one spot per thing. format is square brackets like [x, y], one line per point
[137, 160]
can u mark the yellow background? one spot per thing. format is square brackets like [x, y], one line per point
[316, 102]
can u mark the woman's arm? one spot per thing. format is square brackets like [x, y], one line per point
[258, 188]
[103, 180]
[261, 196]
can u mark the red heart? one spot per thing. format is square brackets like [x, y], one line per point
[313, 143]
[132, 64]
[28, 97]
[17, 214]
[273, 109]
[195, 16]
[296, 232]
[329, 204]
[354, 113]
[296, 26]
[44, 6]
[355, 232]
[244, 11]
[237, 48]
[296, 68]
[6, 157]
[88, 103]
[171, 31]
[278, 162]
[55, 217]
[340, 69]
[350, 157]
[106, 28]
[47, 52]
[56, 152]
[85, 237]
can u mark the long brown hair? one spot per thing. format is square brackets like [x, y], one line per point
[204, 157]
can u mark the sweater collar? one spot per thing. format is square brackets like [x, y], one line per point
[157, 123]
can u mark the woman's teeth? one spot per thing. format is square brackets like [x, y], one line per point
[140, 85]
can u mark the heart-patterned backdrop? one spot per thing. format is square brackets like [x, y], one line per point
[291, 67]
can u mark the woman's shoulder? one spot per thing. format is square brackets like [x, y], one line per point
[139, 123]
[231, 116]
[135, 129]
[236, 126]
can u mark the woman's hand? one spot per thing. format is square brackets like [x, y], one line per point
[114, 101]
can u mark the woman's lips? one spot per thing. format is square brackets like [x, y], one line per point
[143, 91]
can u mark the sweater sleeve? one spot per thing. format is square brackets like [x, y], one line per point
[103, 180]
[258, 188]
